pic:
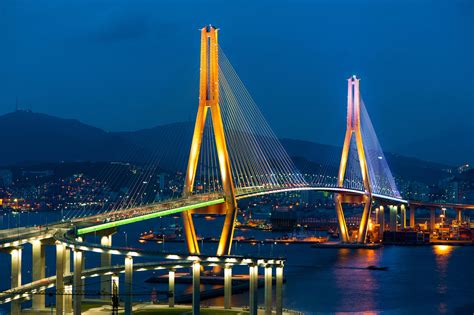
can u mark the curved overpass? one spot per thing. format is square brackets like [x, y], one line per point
[68, 239]
[26, 291]
[172, 261]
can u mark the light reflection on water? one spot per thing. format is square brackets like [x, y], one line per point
[419, 280]
[442, 256]
[350, 270]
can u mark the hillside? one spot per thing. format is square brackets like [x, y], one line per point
[34, 137]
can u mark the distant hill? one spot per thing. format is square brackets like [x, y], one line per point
[441, 147]
[169, 143]
[402, 166]
[29, 136]
[34, 137]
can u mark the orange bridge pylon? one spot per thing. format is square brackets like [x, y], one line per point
[353, 129]
[209, 101]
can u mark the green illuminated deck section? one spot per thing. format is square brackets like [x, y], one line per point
[148, 216]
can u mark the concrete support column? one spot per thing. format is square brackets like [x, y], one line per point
[83, 281]
[105, 261]
[68, 299]
[15, 307]
[459, 215]
[393, 218]
[38, 272]
[412, 216]
[382, 220]
[128, 284]
[432, 219]
[60, 267]
[253, 299]
[78, 289]
[376, 215]
[268, 290]
[279, 290]
[403, 213]
[196, 287]
[67, 288]
[228, 287]
[171, 275]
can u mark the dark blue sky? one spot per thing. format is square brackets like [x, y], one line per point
[125, 65]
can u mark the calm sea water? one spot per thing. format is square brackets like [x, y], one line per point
[419, 280]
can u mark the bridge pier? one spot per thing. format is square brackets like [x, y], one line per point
[403, 214]
[78, 288]
[105, 261]
[128, 284]
[68, 299]
[412, 216]
[393, 218]
[253, 298]
[38, 272]
[15, 253]
[432, 219]
[268, 290]
[60, 270]
[227, 287]
[459, 215]
[343, 232]
[377, 210]
[83, 281]
[171, 275]
[279, 290]
[196, 268]
[67, 288]
[381, 221]
[364, 221]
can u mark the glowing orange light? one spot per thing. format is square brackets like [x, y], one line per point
[442, 249]
[209, 102]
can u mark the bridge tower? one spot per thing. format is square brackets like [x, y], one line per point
[353, 129]
[209, 102]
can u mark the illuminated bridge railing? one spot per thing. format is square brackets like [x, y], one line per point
[249, 192]
[136, 214]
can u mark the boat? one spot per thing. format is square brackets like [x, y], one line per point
[170, 234]
[377, 268]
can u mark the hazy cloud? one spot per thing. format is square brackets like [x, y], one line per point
[119, 28]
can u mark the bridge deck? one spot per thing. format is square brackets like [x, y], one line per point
[107, 220]
[133, 215]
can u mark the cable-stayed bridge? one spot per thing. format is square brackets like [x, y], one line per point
[234, 154]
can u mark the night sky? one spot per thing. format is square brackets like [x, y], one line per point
[126, 65]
